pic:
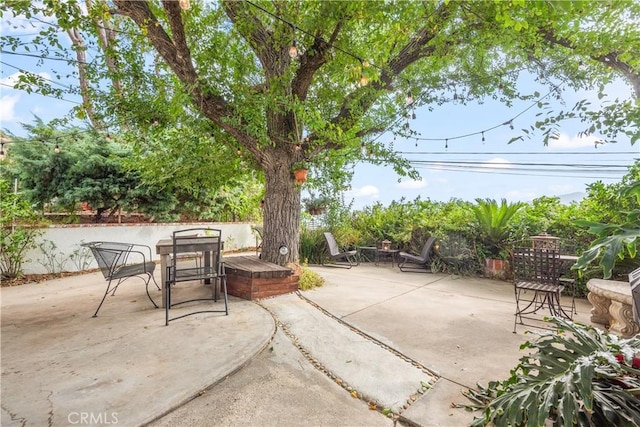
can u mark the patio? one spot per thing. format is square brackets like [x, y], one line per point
[58, 362]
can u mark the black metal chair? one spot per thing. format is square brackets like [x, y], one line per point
[257, 231]
[337, 258]
[634, 282]
[418, 263]
[210, 269]
[120, 261]
[537, 286]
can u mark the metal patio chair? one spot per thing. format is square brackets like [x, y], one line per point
[120, 261]
[210, 270]
[536, 273]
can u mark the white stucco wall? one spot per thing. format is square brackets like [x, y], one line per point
[67, 239]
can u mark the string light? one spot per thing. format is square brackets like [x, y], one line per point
[482, 136]
[293, 50]
[184, 4]
[2, 153]
[56, 149]
[364, 80]
[298, 147]
[409, 99]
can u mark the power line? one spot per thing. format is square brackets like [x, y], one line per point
[519, 152]
[47, 96]
[481, 162]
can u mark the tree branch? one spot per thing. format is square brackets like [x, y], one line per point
[610, 60]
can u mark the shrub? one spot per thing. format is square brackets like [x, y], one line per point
[17, 235]
[577, 375]
[309, 279]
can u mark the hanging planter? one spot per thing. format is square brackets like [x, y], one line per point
[300, 175]
[300, 170]
[315, 205]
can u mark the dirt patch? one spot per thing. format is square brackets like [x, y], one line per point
[39, 278]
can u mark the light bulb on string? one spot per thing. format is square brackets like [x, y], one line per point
[446, 144]
[511, 124]
[482, 136]
[184, 4]
[2, 153]
[409, 99]
[364, 80]
[293, 50]
[413, 116]
[298, 147]
[239, 152]
[56, 149]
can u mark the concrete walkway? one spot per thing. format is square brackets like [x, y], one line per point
[371, 338]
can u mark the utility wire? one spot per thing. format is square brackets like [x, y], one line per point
[519, 152]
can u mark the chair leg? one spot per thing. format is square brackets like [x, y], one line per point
[224, 294]
[154, 280]
[103, 298]
[147, 288]
[167, 302]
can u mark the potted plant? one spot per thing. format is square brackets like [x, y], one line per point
[493, 221]
[315, 205]
[300, 170]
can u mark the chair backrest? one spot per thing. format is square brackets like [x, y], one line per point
[332, 244]
[258, 229]
[426, 249]
[536, 265]
[110, 256]
[634, 282]
[194, 240]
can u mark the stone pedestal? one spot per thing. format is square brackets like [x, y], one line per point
[612, 306]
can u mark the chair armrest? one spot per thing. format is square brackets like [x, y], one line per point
[147, 251]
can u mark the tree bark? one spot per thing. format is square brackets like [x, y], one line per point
[281, 213]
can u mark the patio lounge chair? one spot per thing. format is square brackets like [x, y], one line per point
[120, 261]
[339, 259]
[417, 263]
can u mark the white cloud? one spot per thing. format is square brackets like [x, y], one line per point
[496, 163]
[568, 142]
[13, 78]
[370, 191]
[10, 80]
[8, 107]
[412, 184]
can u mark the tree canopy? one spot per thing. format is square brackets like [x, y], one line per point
[228, 70]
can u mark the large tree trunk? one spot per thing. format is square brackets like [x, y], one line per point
[281, 214]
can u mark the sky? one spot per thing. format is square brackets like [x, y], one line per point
[499, 171]
[520, 171]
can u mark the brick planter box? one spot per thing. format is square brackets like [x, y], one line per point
[251, 278]
[496, 268]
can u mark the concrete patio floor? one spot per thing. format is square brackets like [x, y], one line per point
[410, 342]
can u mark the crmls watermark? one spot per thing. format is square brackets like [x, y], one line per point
[92, 418]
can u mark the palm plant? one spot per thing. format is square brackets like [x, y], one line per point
[493, 221]
[577, 376]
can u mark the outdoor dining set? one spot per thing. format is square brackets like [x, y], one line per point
[190, 255]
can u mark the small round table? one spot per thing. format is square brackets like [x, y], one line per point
[387, 253]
